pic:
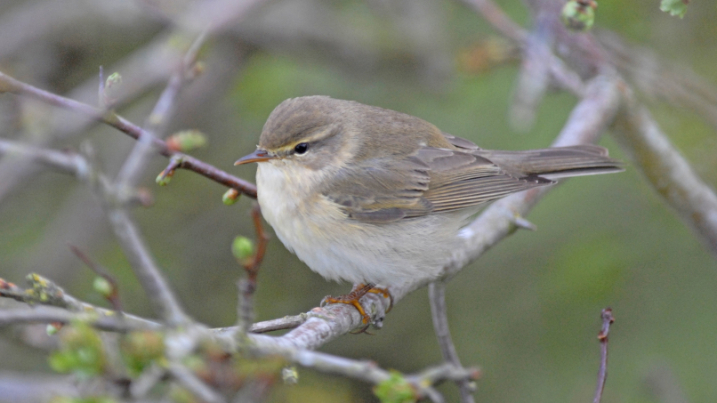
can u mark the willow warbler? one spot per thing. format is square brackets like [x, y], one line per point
[373, 196]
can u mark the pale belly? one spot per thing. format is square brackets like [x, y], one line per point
[339, 248]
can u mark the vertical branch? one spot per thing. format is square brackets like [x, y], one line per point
[148, 274]
[247, 286]
[607, 320]
[437, 298]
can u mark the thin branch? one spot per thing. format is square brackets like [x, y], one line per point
[113, 296]
[534, 77]
[9, 84]
[44, 291]
[148, 274]
[368, 371]
[66, 162]
[607, 320]
[437, 298]
[446, 372]
[247, 286]
[51, 314]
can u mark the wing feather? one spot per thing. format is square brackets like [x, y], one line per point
[433, 180]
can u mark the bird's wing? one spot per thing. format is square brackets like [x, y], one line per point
[381, 189]
[431, 180]
[460, 179]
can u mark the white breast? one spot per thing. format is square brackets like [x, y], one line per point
[339, 248]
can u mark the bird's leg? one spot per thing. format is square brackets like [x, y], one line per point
[353, 297]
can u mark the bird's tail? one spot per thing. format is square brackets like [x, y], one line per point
[554, 163]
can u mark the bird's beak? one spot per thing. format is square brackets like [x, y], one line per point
[257, 156]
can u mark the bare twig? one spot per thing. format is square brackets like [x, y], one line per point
[534, 77]
[113, 296]
[607, 320]
[51, 314]
[446, 372]
[66, 162]
[160, 294]
[43, 291]
[437, 298]
[369, 372]
[9, 84]
[247, 286]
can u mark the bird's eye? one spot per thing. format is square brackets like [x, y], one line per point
[301, 148]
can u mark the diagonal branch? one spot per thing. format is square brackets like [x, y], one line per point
[667, 171]
[9, 84]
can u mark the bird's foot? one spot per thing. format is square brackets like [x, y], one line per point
[353, 298]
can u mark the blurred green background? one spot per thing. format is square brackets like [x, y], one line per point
[527, 312]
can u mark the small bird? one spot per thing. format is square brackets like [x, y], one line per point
[377, 197]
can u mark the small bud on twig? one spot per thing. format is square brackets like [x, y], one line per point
[243, 250]
[103, 287]
[111, 90]
[165, 176]
[186, 140]
[676, 8]
[230, 197]
[579, 15]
